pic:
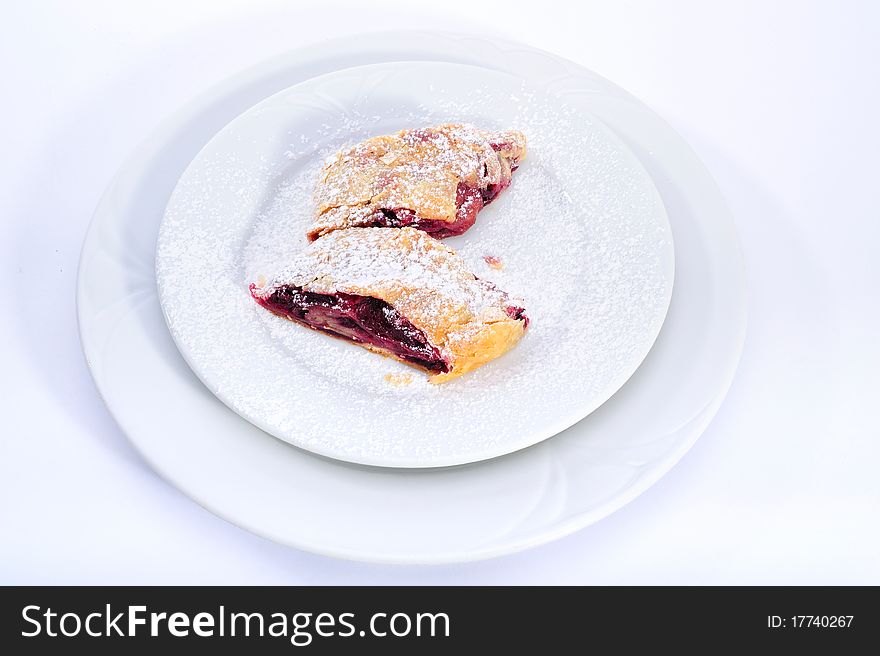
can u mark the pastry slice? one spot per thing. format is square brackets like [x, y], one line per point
[398, 292]
[435, 179]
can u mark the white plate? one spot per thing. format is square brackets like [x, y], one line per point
[582, 233]
[428, 516]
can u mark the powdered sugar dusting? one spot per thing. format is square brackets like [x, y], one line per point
[417, 170]
[424, 280]
[371, 261]
[580, 231]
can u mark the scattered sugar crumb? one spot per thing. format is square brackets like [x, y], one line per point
[398, 380]
[494, 261]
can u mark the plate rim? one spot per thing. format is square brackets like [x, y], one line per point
[314, 56]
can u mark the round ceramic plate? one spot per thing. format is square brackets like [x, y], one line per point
[582, 236]
[481, 510]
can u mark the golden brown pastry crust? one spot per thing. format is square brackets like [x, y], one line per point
[469, 320]
[418, 171]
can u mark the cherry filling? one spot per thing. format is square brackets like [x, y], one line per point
[362, 319]
[519, 314]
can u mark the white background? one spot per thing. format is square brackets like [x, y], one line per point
[780, 99]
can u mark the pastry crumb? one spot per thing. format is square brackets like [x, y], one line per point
[398, 380]
[494, 261]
